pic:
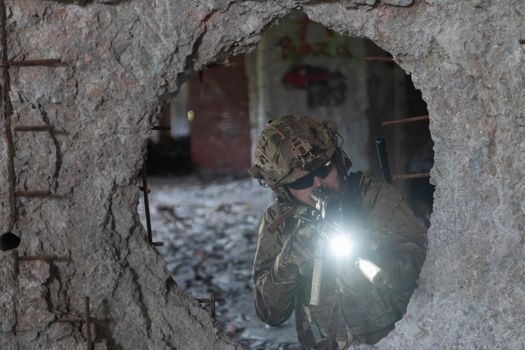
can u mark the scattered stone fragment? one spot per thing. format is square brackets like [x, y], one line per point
[210, 234]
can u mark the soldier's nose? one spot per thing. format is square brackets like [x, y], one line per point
[317, 181]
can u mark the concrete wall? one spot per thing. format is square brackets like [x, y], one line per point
[122, 58]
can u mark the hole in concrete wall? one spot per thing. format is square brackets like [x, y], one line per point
[203, 207]
[8, 241]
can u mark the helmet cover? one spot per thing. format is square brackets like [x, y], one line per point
[292, 146]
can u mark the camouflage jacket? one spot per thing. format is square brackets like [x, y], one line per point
[351, 306]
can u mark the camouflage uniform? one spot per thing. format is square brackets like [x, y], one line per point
[351, 309]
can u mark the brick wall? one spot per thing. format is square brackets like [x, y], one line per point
[220, 132]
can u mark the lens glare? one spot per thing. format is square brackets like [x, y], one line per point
[368, 268]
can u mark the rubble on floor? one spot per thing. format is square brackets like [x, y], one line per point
[209, 230]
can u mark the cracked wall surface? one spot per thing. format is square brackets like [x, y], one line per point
[122, 58]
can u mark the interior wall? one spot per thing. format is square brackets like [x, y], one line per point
[302, 67]
[220, 130]
[122, 58]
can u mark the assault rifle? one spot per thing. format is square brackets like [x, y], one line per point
[342, 243]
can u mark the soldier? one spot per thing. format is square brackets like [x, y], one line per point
[295, 156]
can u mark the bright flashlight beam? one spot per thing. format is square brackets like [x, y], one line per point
[340, 246]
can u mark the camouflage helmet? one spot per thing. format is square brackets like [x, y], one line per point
[292, 146]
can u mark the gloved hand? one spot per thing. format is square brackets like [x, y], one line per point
[298, 250]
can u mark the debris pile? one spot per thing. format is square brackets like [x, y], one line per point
[209, 230]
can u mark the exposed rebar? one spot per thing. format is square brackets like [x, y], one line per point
[17, 266]
[146, 202]
[30, 63]
[7, 111]
[46, 258]
[411, 176]
[382, 156]
[212, 305]
[211, 302]
[82, 320]
[406, 120]
[145, 190]
[40, 128]
[86, 320]
[161, 127]
[34, 128]
[89, 343]
[71, 320]
[33, 194]
[379, 59]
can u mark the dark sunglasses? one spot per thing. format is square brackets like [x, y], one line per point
[308, 180]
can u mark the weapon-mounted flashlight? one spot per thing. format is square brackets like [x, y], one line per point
[340, 245]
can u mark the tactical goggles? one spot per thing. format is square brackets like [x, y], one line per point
[308, 180]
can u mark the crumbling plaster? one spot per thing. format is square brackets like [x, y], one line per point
[123, 57]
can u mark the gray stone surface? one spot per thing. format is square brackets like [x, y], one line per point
[123, 59]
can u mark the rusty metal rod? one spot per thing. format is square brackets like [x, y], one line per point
[17, 264]
[410, 176]
[38, 128]
[18, 330]
[146, 203]
[47, 258]
[146, 207]
[161, 127]
[382, 156]
[379, 59]
[89, 343]
[406, 120]
[212, 305]
[33, 194]
[31, 63]
[26, 128]
[7, 112]
[71, 320]
[144, 189]
[82, 320]
[210, 301]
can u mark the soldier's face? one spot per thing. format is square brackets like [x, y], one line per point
[330, 182]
